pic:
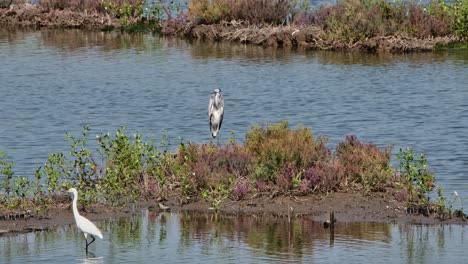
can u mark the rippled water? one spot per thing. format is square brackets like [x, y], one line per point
[57, 81]
[198, 238]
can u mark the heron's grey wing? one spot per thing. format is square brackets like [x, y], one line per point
[211, 106]
[221, 121]
[222, 101]
[221, 109]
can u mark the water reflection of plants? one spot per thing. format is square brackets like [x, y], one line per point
[273, 235]
[275, 159]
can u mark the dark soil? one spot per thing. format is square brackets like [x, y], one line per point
[347, 207]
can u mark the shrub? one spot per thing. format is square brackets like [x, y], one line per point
[125, 10]
[287, 175]
[359, 19]
[208, 165]
[276, 145]
[331, 174]
[242, 187]
[74, 5]
[253, 11]
[417, 177]
[6, 169]
[364, 164]
[211, 11]
[126, 161]
[460, 16]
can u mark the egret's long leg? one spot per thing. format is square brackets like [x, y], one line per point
[87, 244]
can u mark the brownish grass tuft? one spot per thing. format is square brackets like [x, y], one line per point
[364, 164]
[254, 11]
[274, 146]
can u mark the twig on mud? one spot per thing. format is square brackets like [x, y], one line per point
[296, 199]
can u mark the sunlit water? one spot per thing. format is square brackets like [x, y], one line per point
[57, 81]
[188, 238]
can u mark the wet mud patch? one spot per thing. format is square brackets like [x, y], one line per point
[347, 207]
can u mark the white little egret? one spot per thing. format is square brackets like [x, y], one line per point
[83, 224]
[216, 111]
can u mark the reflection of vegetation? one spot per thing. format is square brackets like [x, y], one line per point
[198, 236]
[73, 40]
[275, 236]
[128, 230]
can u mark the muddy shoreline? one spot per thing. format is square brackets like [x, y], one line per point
[347, 207]
[306, 38]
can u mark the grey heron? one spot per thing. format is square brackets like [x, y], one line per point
[83, 224]
[216, 111]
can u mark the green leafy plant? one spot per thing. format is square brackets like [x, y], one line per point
[440, 204]
[419, 179]
[216, 195]
[460, 16]
[6, 169]
[127, 159]
[82, 169]
[128, 11]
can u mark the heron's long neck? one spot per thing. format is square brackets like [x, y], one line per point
[217, 100]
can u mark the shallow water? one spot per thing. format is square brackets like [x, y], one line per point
[56, 81]
[198, 238]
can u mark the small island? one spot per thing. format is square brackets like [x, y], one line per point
[277, 171]
[347, 25]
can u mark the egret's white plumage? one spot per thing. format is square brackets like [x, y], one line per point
[83, 224]
[216, 111]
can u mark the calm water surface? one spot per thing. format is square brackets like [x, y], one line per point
[189, 238]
